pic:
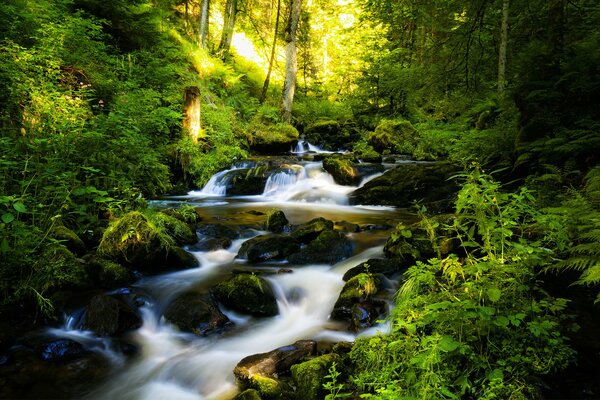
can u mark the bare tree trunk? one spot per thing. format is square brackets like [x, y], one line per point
[204, 16]
[228, 25]
[503, 46]
[192, 120]
[263, 95]
[291, 60]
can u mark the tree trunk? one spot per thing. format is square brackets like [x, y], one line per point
[204, 16]
[228, 25]
[291, 60]
[503, 46]
[191, 104]
[263, 95]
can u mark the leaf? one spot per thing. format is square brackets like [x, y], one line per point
[494, 294]
[496, 374]
[448, 344]
[20, 207]
[8, 218]
[4, 246]
[501, 321]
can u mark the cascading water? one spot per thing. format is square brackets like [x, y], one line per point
[303, 147]
[171, 364]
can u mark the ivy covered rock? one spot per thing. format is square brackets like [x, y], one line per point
[276, 221]
[426, 183]
[59, 269]
[272, 138]
[343, 170]
[395, 136]
[248, 294]
[196, 313]
[268, 247]
[309, 376]
[329, 247]
[309, 231]
[137, 241]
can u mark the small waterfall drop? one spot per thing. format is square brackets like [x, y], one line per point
[303, 147]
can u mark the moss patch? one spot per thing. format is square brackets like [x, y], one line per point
[310, 375]
[343, 170]
[396, 136]
[247, 293]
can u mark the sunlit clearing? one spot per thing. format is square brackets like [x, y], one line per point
[245, 48]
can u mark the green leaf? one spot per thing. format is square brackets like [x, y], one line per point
[496, 374]
[494, 294]
[8, 218]
[20, 207]
[448, 344]
[501, 321]
[4, 246]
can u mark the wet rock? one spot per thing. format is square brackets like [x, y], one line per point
[343, 170]
[61, 350]
[309, 376]
[271, 138]
[377, 266]
[178, 258]
[276, 221]
[247, 181]
[346, 226]
[249, 294]
[218, 231]
[274, 362]
[196, 313]
[211, 244]
[407, 183]
[310, 230]
[248, 394]
[268, 247]
[328, 248]
[358, 302]
[111, 315]
[107, 274]
[331, 135]
[69, 239]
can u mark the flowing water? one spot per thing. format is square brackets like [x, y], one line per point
[175, 365]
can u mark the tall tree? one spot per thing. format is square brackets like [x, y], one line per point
[291, 60]
[228, 25]
[204, 16]
[263, 95]
[503, 46]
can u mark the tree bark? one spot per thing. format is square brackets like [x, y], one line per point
[503, 46]
[291, 60]
[204, 17]
[263, 95]
[192, 120]
[228, 25]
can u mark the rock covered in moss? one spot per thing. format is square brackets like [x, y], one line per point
[331, 135]
[276, 221]
[247, 181]
[177, 229]
[111, 315]
[248, 294]
[358, 302]
[61, 270]
[107, 274]
[426, 183]
[329, 247]
[268, 247]
[383, 266]
[343, 170]
[69, 239]
[309, 376]
[364, 152]
[396, 136]
[272, 138]
[248, 394]
[309, 231]
[196, 313]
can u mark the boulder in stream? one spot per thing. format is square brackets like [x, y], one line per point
[385, 266]
[246, 293]
[329, 247]
[106, 273]
[343, 170]
[427, 183]
[268, 247]
[359, 303]
[310, 230]
[196, 313]
[111, 315]
[276, 221]
[309, 376]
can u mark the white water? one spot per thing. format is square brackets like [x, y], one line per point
[303, 147]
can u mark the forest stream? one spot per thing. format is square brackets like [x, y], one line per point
[169, 363]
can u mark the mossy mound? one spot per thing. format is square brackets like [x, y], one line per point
[276, 221]
[248, 294]
[272, 139]
[363, 151]
[343, 170]
[310, 230]
[395, 136]
[310, 375]
[58, 269]
[331, 135]
[327, 248]
[248, 394]
[138, 241]
[247, 181]
[178, 230]
[68, 238]
[111, 315]
[107, 274]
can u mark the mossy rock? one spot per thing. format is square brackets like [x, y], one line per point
[309, 376]
[218, 231]
[265, 386]
[58, 269]
[193, 312]
[107, 274]
[69, 239]
[366, 153]
[135, 240]
[248, 294]
[358, 302]
[397, 136]
[383, 266]
[111, 315]
[343, 170]
[428, 184]
[268, 247]
[331, 135]
[310, 230]
[329, 247]
[272, 139]
[248, 394]
[247, 181]
[276, 221]
[180, 231]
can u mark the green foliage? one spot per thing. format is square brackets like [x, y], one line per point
[333, 385]
[396, 136]
[478, 326]
[308, 110]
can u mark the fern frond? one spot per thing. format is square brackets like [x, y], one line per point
[591, 276]
[575, 264]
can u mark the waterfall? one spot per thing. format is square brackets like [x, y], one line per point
[303, 147]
